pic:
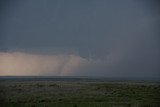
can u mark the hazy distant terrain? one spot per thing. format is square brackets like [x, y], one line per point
[77, 92]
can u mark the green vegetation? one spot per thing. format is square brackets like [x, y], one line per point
[78, 94]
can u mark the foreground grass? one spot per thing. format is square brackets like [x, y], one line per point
[78, 94]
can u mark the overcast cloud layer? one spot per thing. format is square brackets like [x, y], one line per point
[112, 38]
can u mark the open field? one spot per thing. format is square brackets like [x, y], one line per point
[77, 93]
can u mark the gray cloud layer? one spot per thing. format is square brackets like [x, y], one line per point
[122, 37]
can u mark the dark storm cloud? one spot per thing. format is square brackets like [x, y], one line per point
[122, 37]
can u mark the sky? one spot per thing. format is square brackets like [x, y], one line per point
[111, 38]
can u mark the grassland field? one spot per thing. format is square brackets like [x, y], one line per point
[48, 93]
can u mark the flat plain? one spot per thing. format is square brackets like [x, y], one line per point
[77, 92]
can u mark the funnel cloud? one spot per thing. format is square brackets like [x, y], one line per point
[18, 63]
